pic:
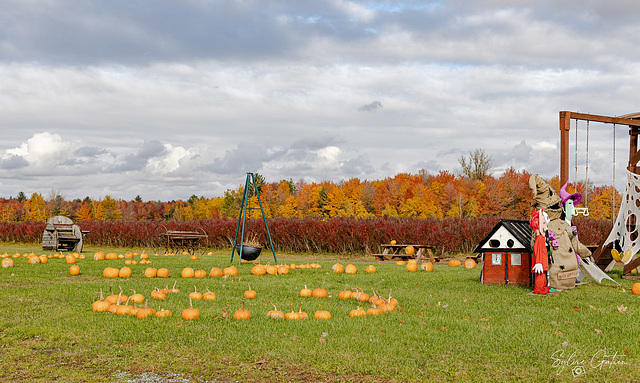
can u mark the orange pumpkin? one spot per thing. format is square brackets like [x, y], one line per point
[124, 272]
[469, 264]
[412, 265]
[355, 313]
[409, 250]
[163, 313]
[344, 294]
[636, 288]
[191, 313]
[305, 292]
[7, 262]
[100, 305]
[195, 294]
[70, 259]
[275, 313]
[157, 294]
[393, 242]
[216, 272]
[200, 274]
[370, 269]
[319, 293]
[242, 313]
[351, 269]
[454, 263]
[110, 272]
[99, 256]
[74, 270]
[338, 268]
[209, 295]
[163, 273]
[292, 315]
[188, 272]
[231, 271]
[427, 266]
[258, 270]
[302, 314]
[150, 272]
[322, 315]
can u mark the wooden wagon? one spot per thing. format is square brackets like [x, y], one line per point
[182, 240]
[62, 234]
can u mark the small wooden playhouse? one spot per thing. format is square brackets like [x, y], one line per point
[506, 254]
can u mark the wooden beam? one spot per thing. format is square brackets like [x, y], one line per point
[633, 146]
[598, 118]
[565, 125]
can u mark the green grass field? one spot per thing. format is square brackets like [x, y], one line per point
[447, 327]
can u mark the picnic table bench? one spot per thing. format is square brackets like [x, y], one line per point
[397, 251]
[175, 240]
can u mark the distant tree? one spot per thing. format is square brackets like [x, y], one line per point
[111, 208]
[259, 182]
[35, 209]
[476, 164]
[193, 199]
[84, 212]
[322, 201]
[138, 198]
[21, 197]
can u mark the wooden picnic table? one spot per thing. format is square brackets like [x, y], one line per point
[397, 251]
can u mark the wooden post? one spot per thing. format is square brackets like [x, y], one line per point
[565, 126]
[634, 156]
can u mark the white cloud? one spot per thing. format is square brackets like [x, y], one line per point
[122, 100]
[170, 162]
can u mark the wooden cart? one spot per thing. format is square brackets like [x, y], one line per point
[62, 234]
[182, 240]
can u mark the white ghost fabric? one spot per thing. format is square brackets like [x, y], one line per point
[624, 229]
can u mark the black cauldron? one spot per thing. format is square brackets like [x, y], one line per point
[249, 253]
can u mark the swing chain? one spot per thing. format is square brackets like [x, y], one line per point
[613, 195]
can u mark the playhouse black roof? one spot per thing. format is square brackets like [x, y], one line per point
[517, 227]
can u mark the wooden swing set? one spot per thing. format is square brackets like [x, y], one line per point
[602, 255]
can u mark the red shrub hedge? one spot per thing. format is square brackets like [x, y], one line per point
[313, 235]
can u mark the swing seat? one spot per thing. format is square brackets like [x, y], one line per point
[249, 253]
[583, 211]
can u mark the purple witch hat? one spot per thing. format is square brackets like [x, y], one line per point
[564, 195]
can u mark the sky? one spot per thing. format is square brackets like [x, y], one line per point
[169, 99]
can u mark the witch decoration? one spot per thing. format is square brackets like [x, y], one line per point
[556, 265]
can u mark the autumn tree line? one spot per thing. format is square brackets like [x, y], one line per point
[441, 195]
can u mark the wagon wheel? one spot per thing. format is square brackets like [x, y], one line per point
[159, 238]
[204, 242]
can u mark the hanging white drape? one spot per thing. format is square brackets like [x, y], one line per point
[625, 229]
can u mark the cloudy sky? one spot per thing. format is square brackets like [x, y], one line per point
[167, 99]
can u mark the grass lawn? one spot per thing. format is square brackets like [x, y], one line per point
[447, 327]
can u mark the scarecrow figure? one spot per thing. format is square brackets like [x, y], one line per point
[564, 246]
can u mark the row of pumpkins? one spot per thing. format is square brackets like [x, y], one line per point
[188, 272]
[119, 304]
[33, 259]
[412, 264]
